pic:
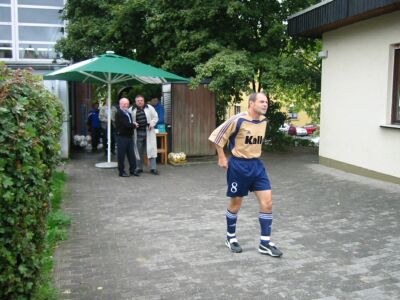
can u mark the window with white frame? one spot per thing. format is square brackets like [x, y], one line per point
[29, 29]
[396, 87]
[293, 115]
[237, 108]
[5, 30]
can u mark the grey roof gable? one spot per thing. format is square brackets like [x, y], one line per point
[331, 14]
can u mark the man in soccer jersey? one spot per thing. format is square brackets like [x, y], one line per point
[245, 171]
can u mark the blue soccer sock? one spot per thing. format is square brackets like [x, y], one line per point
[231, 219]
[265, 225]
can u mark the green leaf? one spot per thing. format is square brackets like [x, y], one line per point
[7, 182]
[23, 269]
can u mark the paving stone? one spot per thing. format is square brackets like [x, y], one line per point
[162, 237]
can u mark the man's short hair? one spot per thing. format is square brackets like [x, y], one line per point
[253, 96]
[139, 96]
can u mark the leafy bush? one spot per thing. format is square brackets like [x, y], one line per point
[277, 140]
[57, 223]
[303, 143]
[30, 127]
[282, 142]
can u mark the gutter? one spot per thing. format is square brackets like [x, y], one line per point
[310, 8]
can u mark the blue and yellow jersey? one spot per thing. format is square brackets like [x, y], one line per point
[244, 134]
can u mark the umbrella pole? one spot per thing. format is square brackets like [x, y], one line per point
[109, 123]
[108, 164]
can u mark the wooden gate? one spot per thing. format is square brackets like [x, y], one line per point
[193, 119]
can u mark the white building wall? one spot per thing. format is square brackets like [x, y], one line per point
[30, 29]
[60, 90]
[356, 91]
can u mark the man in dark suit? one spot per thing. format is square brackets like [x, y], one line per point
[124, 129]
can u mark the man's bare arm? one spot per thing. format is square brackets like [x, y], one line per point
[222, 161]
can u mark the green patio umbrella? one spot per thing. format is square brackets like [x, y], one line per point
[110, 69]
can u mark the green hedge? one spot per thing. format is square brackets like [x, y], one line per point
[30, 128]
[57, 225]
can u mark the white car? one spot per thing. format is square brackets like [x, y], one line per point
[284, 128]
[298, 131]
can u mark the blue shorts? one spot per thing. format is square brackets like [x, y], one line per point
[246, 175]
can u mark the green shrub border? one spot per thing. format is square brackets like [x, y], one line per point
[30, 128]
[57, 225]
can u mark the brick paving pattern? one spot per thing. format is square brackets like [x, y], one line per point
[162, 237]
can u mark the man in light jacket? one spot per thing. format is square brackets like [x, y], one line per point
[145, 141]
[103, 115]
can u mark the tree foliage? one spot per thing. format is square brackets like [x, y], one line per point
[30, 127]
[296, 79]
[95, 26]
[237, 44]
[229, 72]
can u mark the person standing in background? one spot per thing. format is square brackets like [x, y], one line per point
[159, 109]
[124, 126]
[93, 123]
[103, 119]
[145, 141]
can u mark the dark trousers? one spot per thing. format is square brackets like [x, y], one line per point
[105, 145]
[96, 132]
[125, 147]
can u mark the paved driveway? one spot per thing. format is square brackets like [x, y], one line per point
[162, 237]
